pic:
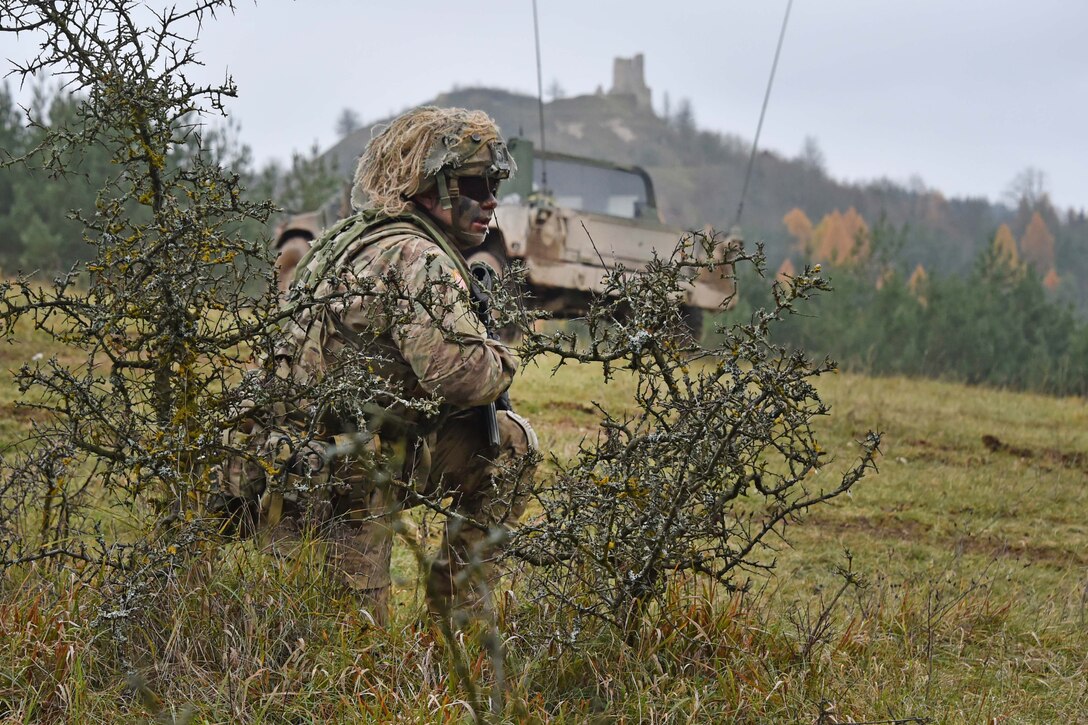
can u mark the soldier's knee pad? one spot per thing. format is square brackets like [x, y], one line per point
[516, 433]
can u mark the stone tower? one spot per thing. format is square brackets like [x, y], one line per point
[628, 79]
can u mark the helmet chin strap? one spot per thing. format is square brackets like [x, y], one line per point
[445, 184]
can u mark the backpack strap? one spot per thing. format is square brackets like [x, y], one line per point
[371, 226]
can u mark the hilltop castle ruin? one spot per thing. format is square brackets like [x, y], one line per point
[629, 79]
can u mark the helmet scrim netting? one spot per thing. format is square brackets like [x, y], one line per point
[392, 169]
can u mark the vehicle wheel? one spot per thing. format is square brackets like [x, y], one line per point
[511, 334]
[291, 252]
[693, 319]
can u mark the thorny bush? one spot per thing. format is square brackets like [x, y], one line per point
[174, 322]
[716, 456]
[162, 324]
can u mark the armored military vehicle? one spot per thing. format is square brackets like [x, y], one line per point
[589, 214]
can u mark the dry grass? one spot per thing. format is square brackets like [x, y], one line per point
[970, 604]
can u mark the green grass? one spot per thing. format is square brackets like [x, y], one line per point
[973, 607]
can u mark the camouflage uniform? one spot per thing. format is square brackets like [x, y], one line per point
[452, 358]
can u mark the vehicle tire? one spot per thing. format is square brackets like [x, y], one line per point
[290, 252]
[693, 320]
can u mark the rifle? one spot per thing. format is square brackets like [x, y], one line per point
[480, 289]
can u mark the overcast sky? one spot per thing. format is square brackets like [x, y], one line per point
[962, 93]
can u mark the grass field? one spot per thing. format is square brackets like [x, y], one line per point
[968, 553]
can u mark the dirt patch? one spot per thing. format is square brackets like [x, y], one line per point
[22, 413]
[921, 449]
[992, 545]
[884, 527]
[1059, 556]
[931, 445]
[1053, 456]
[568, 426]
[574, 406]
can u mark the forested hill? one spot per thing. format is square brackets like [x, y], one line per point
[699, 174]
[794, 204]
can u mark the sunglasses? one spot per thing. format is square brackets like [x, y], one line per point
[478, 188]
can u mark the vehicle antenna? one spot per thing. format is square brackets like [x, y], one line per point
[540, 100]
[762, 113]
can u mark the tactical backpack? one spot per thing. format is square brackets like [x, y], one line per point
[272, 460]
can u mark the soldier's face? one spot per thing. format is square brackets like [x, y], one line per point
[476, 204]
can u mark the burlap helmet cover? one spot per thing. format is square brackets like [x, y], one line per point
[404, 158]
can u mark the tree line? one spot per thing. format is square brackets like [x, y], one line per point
[37, 231]
[1005, 323]
[1015, 323]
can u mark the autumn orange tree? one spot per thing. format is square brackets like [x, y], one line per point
[1004, 245]
[800, 228]
[840, 238]
[1052, 280]
[1037, 244]
[917, 283]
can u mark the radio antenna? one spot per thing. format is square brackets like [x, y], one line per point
[762, 112]
[540, 100]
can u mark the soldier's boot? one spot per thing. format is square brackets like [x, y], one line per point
[375, 601]
[281, 531]
[234, 516]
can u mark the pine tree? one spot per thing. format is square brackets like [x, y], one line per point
[812, 155]
[347, 122]
[685, 119]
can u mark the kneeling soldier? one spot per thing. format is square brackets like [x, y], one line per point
[407, 301]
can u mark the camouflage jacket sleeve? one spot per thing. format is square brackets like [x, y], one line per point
[437, 332]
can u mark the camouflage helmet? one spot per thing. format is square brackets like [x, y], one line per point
[425, 148]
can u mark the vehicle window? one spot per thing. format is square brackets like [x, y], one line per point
[593, 188]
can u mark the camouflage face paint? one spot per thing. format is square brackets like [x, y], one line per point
[471, 219]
